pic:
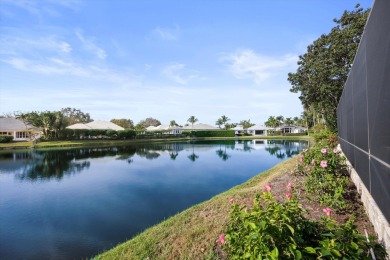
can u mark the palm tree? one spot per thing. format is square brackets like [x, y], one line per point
[280, 120]
[219, 122]
[192, 120]
[172, 123]
[272, 122]
[288, 121]
[224, 120]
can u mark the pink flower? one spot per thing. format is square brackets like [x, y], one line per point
[288, 196]
[289, 186]
[221, 239]
[313, 161]
[327, 211]
[335, 150]
[324, 164]
[231, 201]
[323, 150]
[268, 187]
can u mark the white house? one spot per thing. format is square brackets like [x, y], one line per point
[16, 128]
[286, 129]
[200, 127]
[173, 130]
[259, 130]
[96, 125]
[239, 129]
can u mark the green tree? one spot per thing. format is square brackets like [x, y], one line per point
[323, 70]
[74, 116]
[219, 122]
[125, 123]
[224, 120]
[288, 121]
[272, 122]
[280, 120]
[246, 123]
[148, 122]
[173, 123]
[192, 120]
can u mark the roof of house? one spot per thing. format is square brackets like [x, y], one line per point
[98, 125]
[238, 128]
[200, 127]
[162, 127]
[11, 123]
[260, 127]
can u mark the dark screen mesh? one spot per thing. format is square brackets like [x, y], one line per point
[364, 108]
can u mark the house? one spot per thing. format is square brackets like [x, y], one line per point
[200, 127]
[96, 125]
[286, 129]
[259, 130]
[16, 128]
[238, 130]
[173, 130]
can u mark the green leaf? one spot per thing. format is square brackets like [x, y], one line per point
[291, 228]
[275, 253]
[310, 250]
[335, 252]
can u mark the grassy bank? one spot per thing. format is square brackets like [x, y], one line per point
[191, 234]
[96, 143]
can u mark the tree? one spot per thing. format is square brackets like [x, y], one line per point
[73, 116]
[288, 121]
[219, 122]
[246, 123]
[323, 70]
[224, 120]
[280, 120]
[148, 122]
[173, 123]
[125, 123]
[192, 120]
[272, 122]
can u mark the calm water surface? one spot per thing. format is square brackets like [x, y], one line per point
[73, 204]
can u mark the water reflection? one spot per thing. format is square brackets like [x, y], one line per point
[75, 203]
[46, 165]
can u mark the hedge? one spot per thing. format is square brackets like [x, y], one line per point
[6, 138]
[210, 133]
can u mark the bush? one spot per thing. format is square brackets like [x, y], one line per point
[6, 138]
[279, 230]
[210, 133]
[126, 134]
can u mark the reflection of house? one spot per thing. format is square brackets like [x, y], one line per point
[200, 127]
[173, 130]
[96, 125]
[286, 129]
[259, 130]
[16, 128]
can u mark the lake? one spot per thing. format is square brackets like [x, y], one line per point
[76, 203]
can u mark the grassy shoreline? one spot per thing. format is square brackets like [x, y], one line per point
[191, 234]
[95, 143]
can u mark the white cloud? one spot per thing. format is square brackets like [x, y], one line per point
[178, 73]
[167, 34]
[246, 64]
[90, 46]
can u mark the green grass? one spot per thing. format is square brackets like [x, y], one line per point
[191, 234]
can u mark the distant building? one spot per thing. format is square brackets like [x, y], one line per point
[200, 127]
[174, 130]
[96, 125]
[259, 130]
[16, 128]
[286, 129]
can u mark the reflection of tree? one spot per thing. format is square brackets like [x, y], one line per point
[193, 156]
[150, 155]
[290, 153]
[50, 165]
[280, 155]
[222, 154]
[272, 149]
[173, 155]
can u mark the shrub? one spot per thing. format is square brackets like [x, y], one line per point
[6, 138]
[210, 133]
[279, 230]
[126, 134]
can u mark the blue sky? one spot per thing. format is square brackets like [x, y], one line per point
[163, 59]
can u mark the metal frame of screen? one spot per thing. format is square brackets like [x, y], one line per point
[363, 112]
